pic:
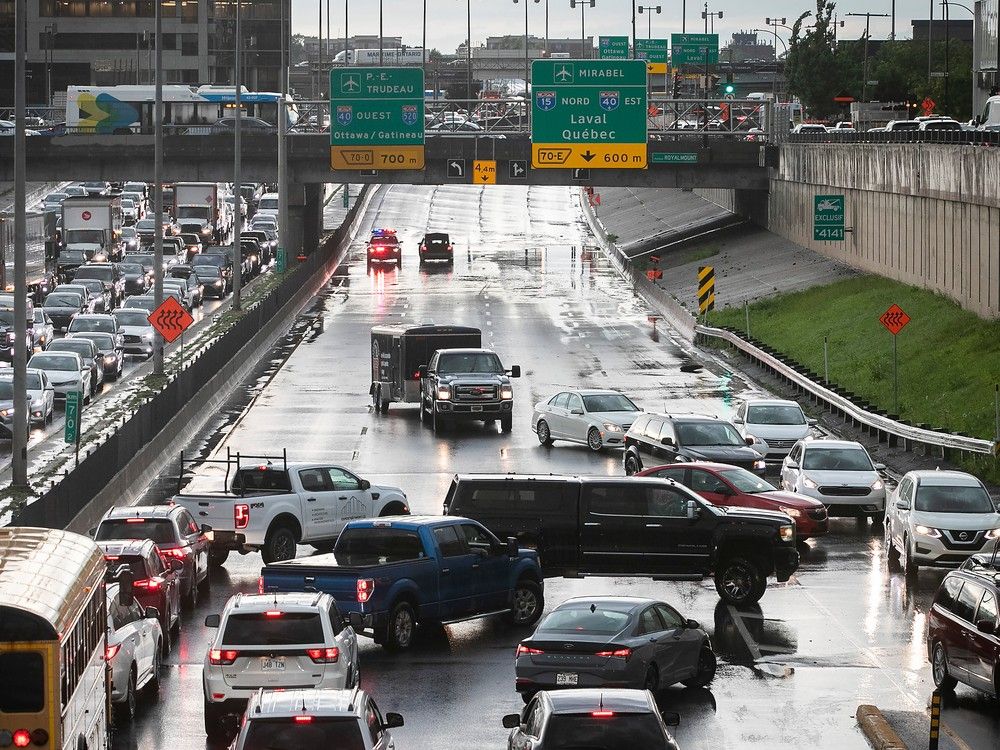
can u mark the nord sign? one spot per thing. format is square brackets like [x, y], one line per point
[588, 114]
[376, 118]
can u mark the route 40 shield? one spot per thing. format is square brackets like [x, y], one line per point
[345, 113]
[610, 100]
[545, 100]
[409, 114]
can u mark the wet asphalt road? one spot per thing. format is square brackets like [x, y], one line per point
[792, 670]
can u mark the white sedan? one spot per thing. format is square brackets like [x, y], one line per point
[591, 417]
[134, 649]
[838, 473]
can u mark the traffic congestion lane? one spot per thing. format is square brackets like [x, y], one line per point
[792, 670]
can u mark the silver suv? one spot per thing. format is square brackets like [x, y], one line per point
[276, 641]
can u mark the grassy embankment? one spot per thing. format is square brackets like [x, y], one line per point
[949, 359]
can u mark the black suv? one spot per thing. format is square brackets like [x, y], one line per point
[670, 438]
[631, 526]
[436, 246]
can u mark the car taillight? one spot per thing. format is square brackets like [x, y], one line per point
[523, 650]
[273, 613]
[135, 520]
[223, 657]
[365, 587]
[602, 714]
[149, 584]
[621, 653]
[241, 515]
[111, 651]
[179, 552]
[303, 719]
[324, 655]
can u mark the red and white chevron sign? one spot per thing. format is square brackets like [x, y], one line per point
[894, 319]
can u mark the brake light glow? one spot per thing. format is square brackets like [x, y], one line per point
[365, 587]
[149, 584]
[177, 552]
[324, 655]
[135, 520]
[224, 657]
[523, 650]
[303, 719]
[620, 653]
[273, 613]
[111, 651]
[22, 738]
[241, 515]
[602, 714]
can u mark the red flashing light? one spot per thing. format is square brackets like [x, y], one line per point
[365, 587]
[149, 584]
[22, 738]
[602, 714]
[523, 650]
[262, 467]
[303, 719]
[223, 657]
[324, 655]
[111, 651]
[273, 613]
[135, 520]
[241, 515]
[621, 653]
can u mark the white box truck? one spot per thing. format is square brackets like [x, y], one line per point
[198, 211]
[93, 227]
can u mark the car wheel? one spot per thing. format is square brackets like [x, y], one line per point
[191, 595]
[939, 670]
[400, 627]
[215, 726]
[126, 709]
[383, 404]
[707, 664]
[910, 566]
[631, 465]
[594, 441]
[279, 545]
[891, 553]
[738, 581]
[507, 422]
[528, 603]
[544, 435]
[217, 557]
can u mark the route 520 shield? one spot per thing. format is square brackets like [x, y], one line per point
[409, 114]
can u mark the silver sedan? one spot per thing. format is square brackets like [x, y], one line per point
[591, 417]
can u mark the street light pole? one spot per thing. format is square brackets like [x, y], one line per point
[468, 50]
[158, 184]
[237, 175]
[527, 58]
[633, 30]
[583, 21]
[713, 15]
[319, 47]
[774, 23]
[868, 20]
[347, 18]
[381, 45]
[19, 438]
[282, 137]
[649, 10]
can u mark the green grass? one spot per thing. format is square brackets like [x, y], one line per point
[949, 359]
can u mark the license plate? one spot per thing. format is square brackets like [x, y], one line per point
[272, 664]
[567, 678]
[476, 408]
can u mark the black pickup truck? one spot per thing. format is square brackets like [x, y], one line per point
[631, 526]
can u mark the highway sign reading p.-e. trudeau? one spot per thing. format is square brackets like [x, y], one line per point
[588, 114]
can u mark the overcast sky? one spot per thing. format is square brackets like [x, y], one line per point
[446, 24]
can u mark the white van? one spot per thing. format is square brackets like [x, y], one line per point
[990, 118]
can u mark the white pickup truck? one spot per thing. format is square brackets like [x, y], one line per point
[272, 508]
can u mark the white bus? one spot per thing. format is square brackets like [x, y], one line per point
[53, 624]
[394, 56]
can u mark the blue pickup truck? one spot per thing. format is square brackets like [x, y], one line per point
[389, 574]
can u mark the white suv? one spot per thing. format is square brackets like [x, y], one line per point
[838, 473]
[279, 641]
[778, 423]
[316, 719]
[939, 518]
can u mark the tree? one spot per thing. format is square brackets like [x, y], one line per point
[813, 68]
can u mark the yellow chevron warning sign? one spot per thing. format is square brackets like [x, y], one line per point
[706, 288]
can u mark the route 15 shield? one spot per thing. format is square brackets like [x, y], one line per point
[345, 113]
[545, 100]
[610, 100]
[410, 114]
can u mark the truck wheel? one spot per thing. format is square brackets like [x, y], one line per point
[217, 557]
[738, 581]
[528, 603]
[706, 669]
[400, 628]
[594, 441]
[544, 434]
[279, 545]
[507, 422]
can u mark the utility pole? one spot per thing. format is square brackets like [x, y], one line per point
[468, 49]
[633, 30]
[774, 23]
[237, 177]
[868, 20]
[19, 440]
[381, 45]
[347, 19]
[319, 48]
[158, 185]
[283, 134]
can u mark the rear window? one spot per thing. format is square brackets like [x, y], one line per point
[260, 628]
[22, 689]
[506, 499]
[160, 530]
[136, 564]
[286, 734]
[261, 480]
[600, 621]
[621, 730]
[377, 545]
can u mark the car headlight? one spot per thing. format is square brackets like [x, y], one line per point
[878, 484]
[787, 533]
[507, 391]
[444, 392]
[927, 531]
[6, 412]
[993, 534]
[793, 512]
[807, 482]
[109, 358]
[760, 464]
[148, 335]
[609, 427]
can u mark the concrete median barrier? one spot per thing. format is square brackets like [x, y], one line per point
[877, 730]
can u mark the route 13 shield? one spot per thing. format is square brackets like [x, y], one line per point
[409, 114]
[345, 113]
[610, 100]
[545, 100]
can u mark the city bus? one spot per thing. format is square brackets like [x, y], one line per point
[53, 622]
[127, 109]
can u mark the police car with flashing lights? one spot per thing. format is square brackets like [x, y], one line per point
[384, 247]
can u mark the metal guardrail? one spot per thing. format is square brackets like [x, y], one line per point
[942, 137]
[884, 426]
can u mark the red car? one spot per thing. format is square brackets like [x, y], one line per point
[722, 484]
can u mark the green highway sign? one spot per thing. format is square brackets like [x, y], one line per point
[588, 114]
[377, 118]
[654, 52]
[72, 431]
[692, 49]
[828, 218]
[613, 47]
[670, 157]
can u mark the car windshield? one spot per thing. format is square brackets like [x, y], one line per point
[6, 390]
[377, 546]
[83, 347]
[207, 272]
[92, 324]
[208, 259]
[270, 629]
[95, 272]
[746, 482]
[193, 212]
[85, 236]
[837, 459]
[144, 259]
[160, 530]
[128, 203]
[144, 303]
[145, 225]
[268, 204]
[574, 731]
[48, 362]
[935, 498]
[7, 317]
[285, 734]
[73, 256]
[132, 269]
[190, 239]
[467, 362]
[62, 300]
[598, 621]
[783, 414]
[708, 433]
[105, 341]
[608, 402]
[131, 318]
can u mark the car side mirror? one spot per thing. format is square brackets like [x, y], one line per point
[206, 529]
[212, 621]
[393, 720]
[151, 613]
[749, 440]
[671, 718]
[791, 465]
[365, 484]
[577, 412]
[357, 621]
[879, 467]
[666, 441]
[902, 505]
[812, 422]
[986, 626]
[511, 721]
[515, 371]
[513, 548]
[693, 510]
[92, 532]
[176, 565]
[692, 624]
[422, 371]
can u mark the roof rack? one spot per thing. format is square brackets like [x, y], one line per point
[232, 462]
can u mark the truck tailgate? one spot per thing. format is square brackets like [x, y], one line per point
[214, 510]
[321, 574]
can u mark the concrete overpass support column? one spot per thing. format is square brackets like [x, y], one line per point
[312, 216]
[293, 234]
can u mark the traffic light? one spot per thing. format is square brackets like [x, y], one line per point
[729, 89]
[677, 86]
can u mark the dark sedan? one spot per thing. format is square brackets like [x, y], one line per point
[626, 642]
[7, 410]
[136, 278]
[62, 307]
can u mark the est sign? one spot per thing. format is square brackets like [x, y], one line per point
[588, 114]
[828, 218]
[376, 118]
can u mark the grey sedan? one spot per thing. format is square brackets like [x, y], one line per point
[593, 418]
[627, 642]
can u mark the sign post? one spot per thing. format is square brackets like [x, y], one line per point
[894, 320]
[377, 118]
[613, 47]
[654, 52]
[828, 218]
[72, 431]
[588, 114]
